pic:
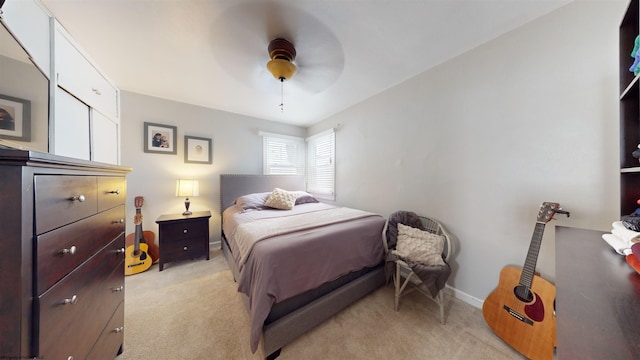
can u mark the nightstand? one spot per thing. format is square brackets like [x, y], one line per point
[183, 237]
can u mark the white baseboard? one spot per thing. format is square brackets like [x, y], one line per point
[471, 300]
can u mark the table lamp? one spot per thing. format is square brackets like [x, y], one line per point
[187, 188]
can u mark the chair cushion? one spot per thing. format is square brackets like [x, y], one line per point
[419, 246]
[281, 199]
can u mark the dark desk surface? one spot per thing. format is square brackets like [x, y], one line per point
[597, 299]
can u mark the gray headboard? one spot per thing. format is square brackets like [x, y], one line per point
[234, 185]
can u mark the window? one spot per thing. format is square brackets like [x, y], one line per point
[321, 152]
[282, 154]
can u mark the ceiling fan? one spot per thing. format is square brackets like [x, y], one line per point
[249, 36]
[282, 54]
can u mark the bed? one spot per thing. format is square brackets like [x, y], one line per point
[342, 257]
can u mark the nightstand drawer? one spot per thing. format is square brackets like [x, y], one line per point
[185, 249]
[185, 230]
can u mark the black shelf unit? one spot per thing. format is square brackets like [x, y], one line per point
[629, 112]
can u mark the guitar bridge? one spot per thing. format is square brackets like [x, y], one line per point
[517, 315]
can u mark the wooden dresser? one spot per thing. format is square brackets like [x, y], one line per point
[62, 234]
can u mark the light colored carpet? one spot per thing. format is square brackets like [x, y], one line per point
[192, 310]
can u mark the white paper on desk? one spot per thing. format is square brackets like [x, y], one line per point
[625, 234]
[616, 243]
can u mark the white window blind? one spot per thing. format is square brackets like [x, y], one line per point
[282, 154]
[321, 152]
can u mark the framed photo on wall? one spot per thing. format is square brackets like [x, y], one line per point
[198, 150]
[160, 139]
[15, 118]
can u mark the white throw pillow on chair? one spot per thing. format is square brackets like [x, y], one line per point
[419, 245]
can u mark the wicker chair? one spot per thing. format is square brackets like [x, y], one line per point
[405, 279]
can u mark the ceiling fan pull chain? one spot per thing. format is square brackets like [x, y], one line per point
[281, 94]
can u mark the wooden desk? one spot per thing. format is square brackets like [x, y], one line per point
[597, 299]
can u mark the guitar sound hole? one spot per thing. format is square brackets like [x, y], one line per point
[523, 294]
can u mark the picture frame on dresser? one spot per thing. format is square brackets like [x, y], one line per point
[160, 139]
[15, 118]
[198, 150]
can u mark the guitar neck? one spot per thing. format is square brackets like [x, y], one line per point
[138, 233]
[529, 269]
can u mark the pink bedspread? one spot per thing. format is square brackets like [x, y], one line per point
[286, 265]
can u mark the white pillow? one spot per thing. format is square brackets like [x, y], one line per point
[281, 199]
[419, 246]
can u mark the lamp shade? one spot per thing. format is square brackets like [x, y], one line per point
[187, 188]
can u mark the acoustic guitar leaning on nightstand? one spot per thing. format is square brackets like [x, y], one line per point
[137, 258]
[522, 312]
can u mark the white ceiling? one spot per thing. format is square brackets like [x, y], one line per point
[213, 53]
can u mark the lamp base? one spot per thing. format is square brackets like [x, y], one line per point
[186, 205]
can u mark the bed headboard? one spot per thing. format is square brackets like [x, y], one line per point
[234, 185]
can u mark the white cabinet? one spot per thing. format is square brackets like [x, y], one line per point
[71, 127]
[84, 115]
[77, 74]
[31, 24]
[86, 104]
[105, 145]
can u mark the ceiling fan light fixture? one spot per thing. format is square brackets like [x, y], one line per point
[282, 53]
[282, 69]
[281, 66]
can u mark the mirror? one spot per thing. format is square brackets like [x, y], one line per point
[24, 98]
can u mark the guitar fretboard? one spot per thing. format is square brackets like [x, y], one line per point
[532, 256]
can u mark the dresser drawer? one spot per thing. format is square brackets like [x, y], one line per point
[112, 191]
[59, 251]
[62, 199]
[111, 338]
[185, 229]
[67, 314]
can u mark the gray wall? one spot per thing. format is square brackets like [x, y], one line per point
[478, 142]
[237, 148]
[482, 140]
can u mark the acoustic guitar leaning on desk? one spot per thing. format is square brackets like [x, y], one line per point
[521, 309]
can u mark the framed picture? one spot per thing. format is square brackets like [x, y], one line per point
[198, 150]
[15, 118]
[160, 139]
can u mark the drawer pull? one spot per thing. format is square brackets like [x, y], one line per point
[96, 91]
[70, 357]
[119, 329]
[117, 192]
[73, 300]
[79, 198]
[185, 231]
[119, 288]
[119, 221]
[120, 251]
[185, 248]
[70, 251]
